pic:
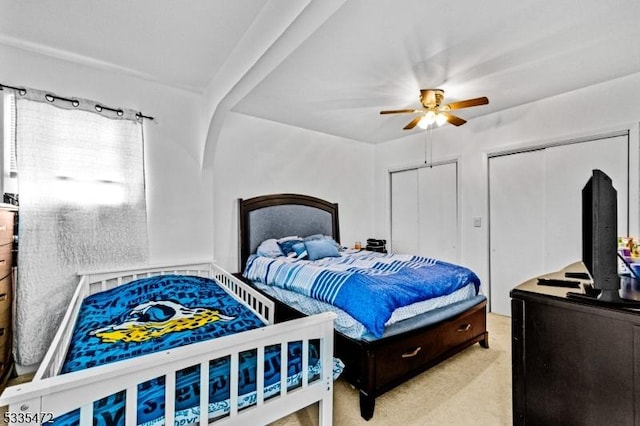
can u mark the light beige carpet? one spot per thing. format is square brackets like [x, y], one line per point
[471, 388]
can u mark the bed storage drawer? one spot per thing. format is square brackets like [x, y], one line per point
[420, 351]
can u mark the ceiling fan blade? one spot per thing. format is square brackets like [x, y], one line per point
[467, 103]
[399, 111]
[454, 119]
[412, 123]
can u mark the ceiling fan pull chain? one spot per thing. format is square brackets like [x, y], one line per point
[428, 147]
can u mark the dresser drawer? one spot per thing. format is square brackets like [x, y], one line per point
[5, 329]
[6, 259]
[5, 358]
[6, 226]
[6, 292]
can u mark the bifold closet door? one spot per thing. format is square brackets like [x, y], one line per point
[424, 212]
[535, 209]
[438, 206]
[405, 222]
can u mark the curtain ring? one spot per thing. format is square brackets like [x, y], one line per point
[75, 103]
[49, 97]
[98, 107]
[120, 113]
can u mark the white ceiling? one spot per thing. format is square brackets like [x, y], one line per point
[367, 56]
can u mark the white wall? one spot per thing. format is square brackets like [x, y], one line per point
[593, 110]
[258, 157]
[179, 195]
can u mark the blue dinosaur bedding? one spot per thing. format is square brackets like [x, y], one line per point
[163, 312]
[369, 286]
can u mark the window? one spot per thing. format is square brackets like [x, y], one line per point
[82, 206]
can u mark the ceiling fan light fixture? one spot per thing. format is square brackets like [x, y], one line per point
[441, 119]
[427, 119]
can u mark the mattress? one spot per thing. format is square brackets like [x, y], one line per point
[420, 315]
[369, 291]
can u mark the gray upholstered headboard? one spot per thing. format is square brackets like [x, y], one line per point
[282, 215]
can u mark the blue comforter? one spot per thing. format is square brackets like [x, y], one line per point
[367, 285]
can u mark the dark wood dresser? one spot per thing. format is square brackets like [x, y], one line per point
[574, 362]
[7, 258]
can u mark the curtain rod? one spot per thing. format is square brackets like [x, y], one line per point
[74, 102]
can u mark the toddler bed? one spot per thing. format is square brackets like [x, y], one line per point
[378, 354]
[137, 346]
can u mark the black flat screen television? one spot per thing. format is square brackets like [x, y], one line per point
[600, 235]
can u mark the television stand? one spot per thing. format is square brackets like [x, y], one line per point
[574, 359]
[589, 298]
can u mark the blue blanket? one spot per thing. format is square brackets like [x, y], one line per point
[163, 312]
[367, 285]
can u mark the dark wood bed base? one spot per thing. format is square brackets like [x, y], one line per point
[377, 366]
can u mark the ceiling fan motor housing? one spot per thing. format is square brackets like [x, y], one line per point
[430, 98]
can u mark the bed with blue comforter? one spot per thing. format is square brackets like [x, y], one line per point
[397, 315]
[163, 312]
[369, 286]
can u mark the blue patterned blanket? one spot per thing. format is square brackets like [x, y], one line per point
[163, 312]
[367, 285]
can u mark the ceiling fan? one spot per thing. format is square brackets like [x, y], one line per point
[434, 112]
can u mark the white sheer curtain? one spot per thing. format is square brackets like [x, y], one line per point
[82, 206]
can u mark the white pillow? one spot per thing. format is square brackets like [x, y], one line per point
[269, 248]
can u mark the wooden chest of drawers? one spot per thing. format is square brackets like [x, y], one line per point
[7, 221]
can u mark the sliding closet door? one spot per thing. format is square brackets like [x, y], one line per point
[568, 168]
[405, 235]
[535, 209]
[424, 212]
[517, 244]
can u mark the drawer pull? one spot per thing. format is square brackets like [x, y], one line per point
[412, 353]
[464, 327]
[3, 296]
[3, 261]
[2, 331]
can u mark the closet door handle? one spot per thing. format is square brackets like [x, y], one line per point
[412, 353]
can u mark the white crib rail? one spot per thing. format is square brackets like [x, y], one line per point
[94, 282]
[64, 393]
[257, 302]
